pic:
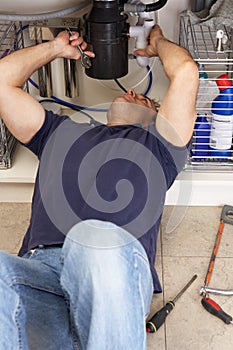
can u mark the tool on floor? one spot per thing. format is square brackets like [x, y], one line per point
[85, 59]
[156, 321]
[210, 305]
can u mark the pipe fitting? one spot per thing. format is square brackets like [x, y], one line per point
[141, 34]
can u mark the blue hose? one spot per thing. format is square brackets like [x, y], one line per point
[68, 104]
[150, 81]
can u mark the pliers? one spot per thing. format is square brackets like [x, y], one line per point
[85, 59]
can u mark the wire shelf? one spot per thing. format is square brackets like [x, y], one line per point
[17, 35]
[11, 39]
[214, 58]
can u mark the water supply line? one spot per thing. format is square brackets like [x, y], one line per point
[129, 7]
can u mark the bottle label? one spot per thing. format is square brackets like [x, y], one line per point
[221, 132]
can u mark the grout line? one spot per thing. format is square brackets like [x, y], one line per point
[163, 283]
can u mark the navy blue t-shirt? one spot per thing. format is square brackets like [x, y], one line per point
[112, 173]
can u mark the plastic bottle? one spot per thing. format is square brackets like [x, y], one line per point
[201, 138]
[222, 120]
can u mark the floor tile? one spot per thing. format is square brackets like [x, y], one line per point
[14, 220]
[196, 233]
[190, 326]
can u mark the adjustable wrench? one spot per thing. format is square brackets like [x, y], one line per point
[85, 59]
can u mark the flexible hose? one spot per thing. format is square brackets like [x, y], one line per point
[154, 6]
[149, 84]
[120, 85]
[143, 7]
[150, 81]
[146, 75]
[68, 104]
[43, 16]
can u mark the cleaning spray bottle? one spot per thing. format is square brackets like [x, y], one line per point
[201, 138]
[222, 120]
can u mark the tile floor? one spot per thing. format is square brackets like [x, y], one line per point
[182, 253]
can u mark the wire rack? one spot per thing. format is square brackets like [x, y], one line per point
[214, 57]
[11, 39]
[17, 35]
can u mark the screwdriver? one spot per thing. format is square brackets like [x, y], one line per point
[156, 321]
[212, 307]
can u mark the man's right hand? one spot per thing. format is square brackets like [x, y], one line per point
[25, 115]
[66, 45]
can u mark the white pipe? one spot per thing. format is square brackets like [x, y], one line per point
[141, 34]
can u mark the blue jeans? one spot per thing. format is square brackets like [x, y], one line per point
[89, 294]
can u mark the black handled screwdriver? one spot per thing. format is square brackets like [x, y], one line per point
[156, 321]
[212, 307]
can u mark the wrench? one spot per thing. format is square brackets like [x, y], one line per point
[85, 59]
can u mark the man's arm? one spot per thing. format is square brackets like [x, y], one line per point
[176, 116]
[21, 113]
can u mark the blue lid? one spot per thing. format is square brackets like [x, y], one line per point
[223, 103]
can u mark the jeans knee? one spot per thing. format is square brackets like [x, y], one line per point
[101, 254]
[5, 259]
[100, 270]
[91, 261]
[10, 267]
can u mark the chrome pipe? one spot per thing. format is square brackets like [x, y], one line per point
[45, 81]
[71, 78]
